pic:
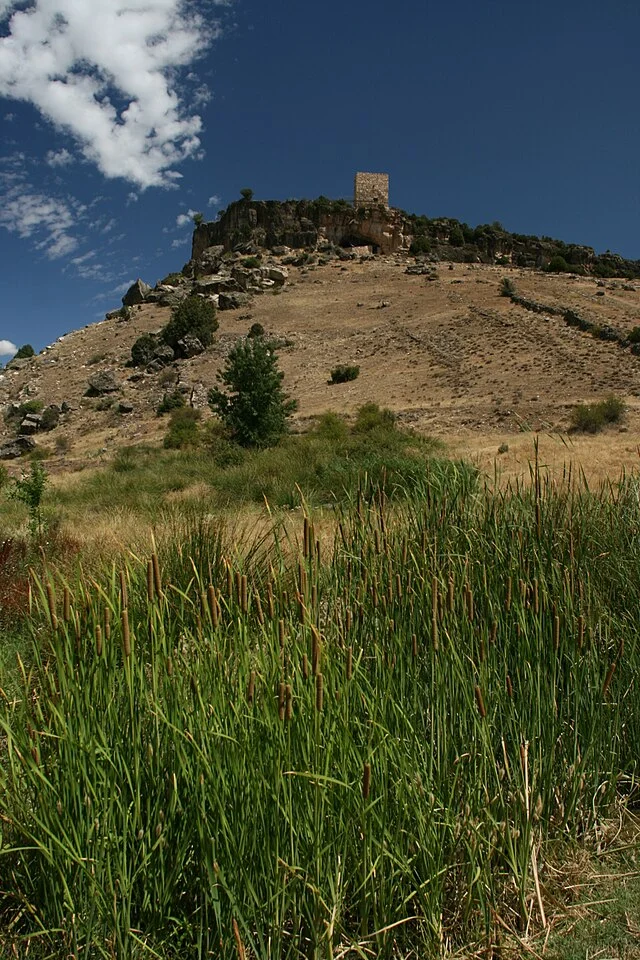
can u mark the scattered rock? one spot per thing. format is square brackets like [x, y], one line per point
[190, 346]
[164, 354]
[13, 449]
[137, 293]
[101, 383]
[125, 407]
[31, 424]
[231, 301]
[278, 274]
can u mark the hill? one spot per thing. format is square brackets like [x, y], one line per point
[435, 341]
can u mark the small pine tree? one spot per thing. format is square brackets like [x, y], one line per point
[254, 407]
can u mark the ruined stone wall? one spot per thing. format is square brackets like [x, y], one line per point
[371, 188]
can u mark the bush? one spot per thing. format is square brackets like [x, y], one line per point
[142, 350]
[370, 418]
[194, 316]
[343, 373]
[456, 237]
[507, 287]
[183, 429]
[420, 245]
[251, 262]
[558, 264]
[592, 417]
[170, 401]
[255, 408]
[246, 193]
[24, 352]
[256, 330]
[50, 418]
[634, 335]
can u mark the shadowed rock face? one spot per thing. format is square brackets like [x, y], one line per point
[304, 223]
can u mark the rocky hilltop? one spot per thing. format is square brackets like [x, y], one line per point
[250, 225]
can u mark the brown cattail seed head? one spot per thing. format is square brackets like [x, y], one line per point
[434, 634]
[239, 945]
[259, 613]
[107, 623]
[51, 603]
[480, 702]
[157, 581]
[212, 603]
[556, 632]
[126, 637]
[98, 640]
[608, 678]
[305, 666]
[509, 686]
[124, 595]
[366, 781]
[281, 700]
[251, 687]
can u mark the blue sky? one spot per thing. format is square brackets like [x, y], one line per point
[122, 117]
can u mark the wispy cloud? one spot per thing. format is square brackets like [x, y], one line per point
[61, 158]
[184, 218]
[214, 201]
[77, 62]
[7, 348]
[31, 213]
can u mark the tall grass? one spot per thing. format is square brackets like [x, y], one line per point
[289, 751]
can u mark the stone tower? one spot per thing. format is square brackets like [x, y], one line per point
[371, 189]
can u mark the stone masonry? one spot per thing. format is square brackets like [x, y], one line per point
[371, 188]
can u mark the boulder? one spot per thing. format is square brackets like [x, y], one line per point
[278, 274]
[101, 383]
[16, 448]
[190, 346]
[125, 407]
[164, 354]
[231, 301]
[31, 424]
[137, 293]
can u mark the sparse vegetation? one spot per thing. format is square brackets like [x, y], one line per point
[173, 279]
[343, 372]
[592, 417]
[507, 287]
[171, 401]
[183, 431]
[142, 350]
[251, 263]
[29, 490]
[256, 330]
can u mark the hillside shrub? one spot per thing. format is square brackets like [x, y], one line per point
[256, 330]
[24, 352]
[142, 350]
[592, 417]
[344, 373]
[195, 316]
[507, 287]
[456, 237]
[420, 245]
[170, 401]
[251, 263]
[558, 264]
[634, 335]
[183, 431]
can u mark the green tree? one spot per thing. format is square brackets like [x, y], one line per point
[198, 218]
[254, 406]
[195, 316]
[246, 193]
[29, 489]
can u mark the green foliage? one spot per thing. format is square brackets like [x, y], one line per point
[171, 401]
[507, 287]
[251, 263]
[256, 330]
[29, 489]
[198, 218]
[343, 372]
[420, 245]
[558, 264]
[592, 417]
[370, 418]
[456, 237]
[253, 406]
[195, 316]
[24, 352]
[246, 193]
[142, 350]
[183, 431]
[634, 335]
[50, 418]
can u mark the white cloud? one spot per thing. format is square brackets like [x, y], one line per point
[7, 348]
[184, 218]
[29, 213]
[175, 244]
[214, 201]
[77, 62]
[60, 159]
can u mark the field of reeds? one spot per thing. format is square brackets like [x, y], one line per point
[287, 748]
